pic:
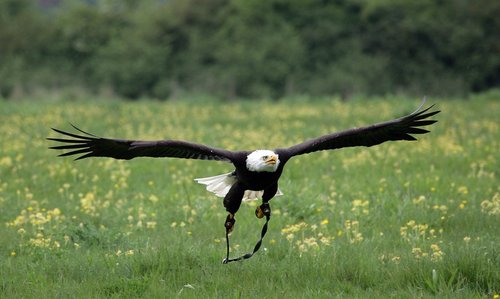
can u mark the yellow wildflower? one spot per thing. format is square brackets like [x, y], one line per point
[293, 228]
[419, 200]
[153, 198]
[437, 254]
[463, 190]
[491, 207]
[6, 161]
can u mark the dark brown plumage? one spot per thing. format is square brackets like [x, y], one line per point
[92, 146]
[397, 129]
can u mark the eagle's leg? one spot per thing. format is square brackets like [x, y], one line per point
[232, 202]
[265, 209]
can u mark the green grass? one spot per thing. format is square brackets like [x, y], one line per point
[359, 222]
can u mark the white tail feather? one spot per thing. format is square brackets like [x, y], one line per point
[220, 185]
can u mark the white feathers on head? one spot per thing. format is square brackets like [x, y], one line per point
[263, 160]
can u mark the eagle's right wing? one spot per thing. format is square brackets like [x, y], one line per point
[89, 145]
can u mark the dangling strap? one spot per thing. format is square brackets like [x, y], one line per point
[267, 213]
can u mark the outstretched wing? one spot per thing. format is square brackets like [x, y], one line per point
[398, 129]
[88, 145]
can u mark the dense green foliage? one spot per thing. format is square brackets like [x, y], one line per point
[401, 220]
[241, 48]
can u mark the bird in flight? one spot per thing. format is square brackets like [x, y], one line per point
[256, 172]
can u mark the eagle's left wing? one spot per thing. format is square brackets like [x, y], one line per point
[398, 129]
[89, 145]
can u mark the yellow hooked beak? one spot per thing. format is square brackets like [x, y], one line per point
[271, 160]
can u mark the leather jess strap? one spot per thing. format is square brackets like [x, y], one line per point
[263, 210]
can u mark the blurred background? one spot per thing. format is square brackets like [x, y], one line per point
[234, 49]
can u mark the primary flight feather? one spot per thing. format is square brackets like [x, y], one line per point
[256, 173]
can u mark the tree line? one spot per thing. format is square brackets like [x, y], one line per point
[250, 48]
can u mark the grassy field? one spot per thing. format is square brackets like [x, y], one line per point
[402, 220]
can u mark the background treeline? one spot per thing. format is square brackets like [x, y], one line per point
[250, 48]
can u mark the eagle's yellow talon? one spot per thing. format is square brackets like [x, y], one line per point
[263, 210]
[259, 213]
[229, 224]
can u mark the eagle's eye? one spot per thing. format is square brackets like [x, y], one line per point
[265, 157]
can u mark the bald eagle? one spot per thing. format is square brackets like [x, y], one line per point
[256, 173]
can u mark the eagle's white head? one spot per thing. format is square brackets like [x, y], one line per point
[263, 160]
